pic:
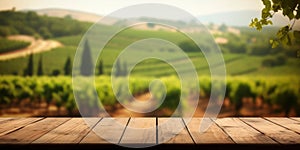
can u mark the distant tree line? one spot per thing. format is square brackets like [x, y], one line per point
[30, 23]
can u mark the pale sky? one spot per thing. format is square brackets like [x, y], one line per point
[104, 7]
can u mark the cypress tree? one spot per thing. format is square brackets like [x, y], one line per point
[118, 70]
[86, 68]
[40, 67]
[29, 69]
[125, 71]
[68, 67]
[100, 67]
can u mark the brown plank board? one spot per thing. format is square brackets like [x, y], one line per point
[72, 131]
[33, 131]
[169, 131]
[214, 134]
[3, 119]
[286, 122]
[109, 129]
[296, 118]
[140, 131]
[7, 126]
[274, 131]
[242, 133]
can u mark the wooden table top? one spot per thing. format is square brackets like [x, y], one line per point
[232, 131]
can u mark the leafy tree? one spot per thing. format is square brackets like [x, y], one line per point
[30, 23]
[151, 25]
[237, 95]
[45, 33]
[223, 28]
[68, 67]
[236, 47]
[287, 99]
[40, 67]
[4, 31]
[55, 72]
[189, 46]
[277, 61]
[86, 68]
[260, 49]
[100, 68]
[289, 8]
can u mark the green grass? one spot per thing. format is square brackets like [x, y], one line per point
[11, 45]
[236, 64]
[52, 60]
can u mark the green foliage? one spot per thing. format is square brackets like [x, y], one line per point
[236, 47]
[286, 98]
[223, 28]
[30, 66]
[11, 45]
[86, 67]
[100, 68]
[45, 33]
[281, 91]
[40, 71]
[70, 40]
[274, 61]
[289, 8]
[120, 69]
[239, 91]
[6, 31]
[241, 63]
[55, 72]
[189, 46]
[68, 67]
[29, 23]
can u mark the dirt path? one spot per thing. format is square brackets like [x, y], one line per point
[36, 46]
[123, 112]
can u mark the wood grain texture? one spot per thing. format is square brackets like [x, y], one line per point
[274, 131]
[72, 131]
[296, 118]
[169, 130]
[8, 126]
[33, 131]
[286, 122]
[172, 130]
[242, 133]
[108, 130]
[213, 134]
[140, 131]
[3, 119]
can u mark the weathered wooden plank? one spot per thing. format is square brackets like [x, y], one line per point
[33, 131]
[296, 118]
[3, 119]
[109, 129]
[7, 126]
[276, 132]
[140, 131]
[241, 132]
[72, 131]
[169, 131]
[286, 122]
[213, 134]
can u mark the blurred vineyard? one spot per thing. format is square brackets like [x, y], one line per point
[9, 45]
[279, 94]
